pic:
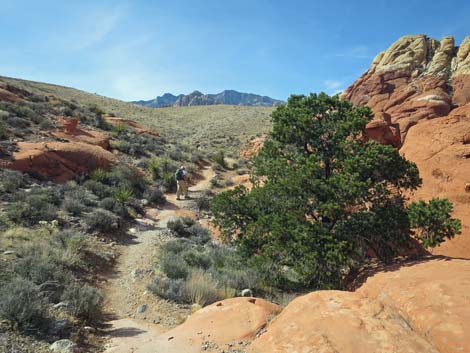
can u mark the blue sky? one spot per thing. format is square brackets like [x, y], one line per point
[139, 49]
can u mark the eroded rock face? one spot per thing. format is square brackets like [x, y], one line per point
[58, 161]
[416, 78]
[70, 130]
[420, 307]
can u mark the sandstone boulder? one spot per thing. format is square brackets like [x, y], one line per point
[58, 161]
[224, 324]
[417, 307]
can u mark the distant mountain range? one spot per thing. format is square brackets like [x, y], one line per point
[198, 98]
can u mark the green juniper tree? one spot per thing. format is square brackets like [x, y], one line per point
[323, 197]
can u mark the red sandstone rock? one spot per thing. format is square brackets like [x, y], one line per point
[58, 161]
[420, 307]
[70, 131]
[227, 322]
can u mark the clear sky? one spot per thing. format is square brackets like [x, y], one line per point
[140, 49]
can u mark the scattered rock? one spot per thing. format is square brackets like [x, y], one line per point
[142, 308]
[63, 346]
[246, 293]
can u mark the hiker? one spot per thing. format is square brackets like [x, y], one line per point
[181, 176]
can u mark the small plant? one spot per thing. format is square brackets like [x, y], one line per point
[155, 195]
[179, 227]
[153, 165]
[219, 159]
[99, 175]
[201, 289]
[123, 195]
[22, 305]
[31, 209]
[102, 220]
[174, 267]
[167, 288]
[119, 129]
[84, 301]
[3, 131]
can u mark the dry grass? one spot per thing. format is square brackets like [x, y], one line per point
[208, 128]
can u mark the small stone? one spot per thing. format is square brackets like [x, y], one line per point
[142, 308]
[247, 292]
[170, 338]
[132, 230]
[61, 305]
[9, 252]
[63, 346]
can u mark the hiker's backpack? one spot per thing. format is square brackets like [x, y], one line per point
[179, 175]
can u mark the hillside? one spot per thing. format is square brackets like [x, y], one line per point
[209, 127]
[197, 98]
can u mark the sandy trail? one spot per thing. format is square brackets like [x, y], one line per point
[137, 316]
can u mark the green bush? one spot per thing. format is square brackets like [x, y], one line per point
[3, 131]
[101, 220]
[31, 209]
[167, 288]
[155, 195]
[17, 122]
[203, 201]
[107, 203]
[432, 221]
[22, 304]
[123, 195]
[99, 175]
[99, 189]
[174, 267]
[179, 227]
[83, 301]
[219, 159]
[12, 180]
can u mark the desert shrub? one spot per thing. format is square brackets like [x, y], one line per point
[30, 209]
[123, 195]
[195, 258]
[176, 154]
[73, 205]
[119, 129]
[174, 266]
[17, 122]
[4, 114]
[11, 180]
[219, 159]
[83, 301]
[196, 158]
[99, 175]
[99, 189]
[46, 125]
[179, 227]
[168, 181]
[153, 166]
[432, 221]
[215, 181]
[167, 288]
[3, 131]
[203, 201]
[199, 234]
[155, 195]
[174, 246]
[107, 203]
[101, 220]
[201, 289]
[22, 304]
[229, 182]
[123, 175]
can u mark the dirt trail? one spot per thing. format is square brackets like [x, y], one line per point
[136, 316]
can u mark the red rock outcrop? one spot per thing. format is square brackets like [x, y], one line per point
[225, 324]
[420, 307]
[419, 91]
[58, 161]
[70, 130]
[416, 78]
[132, 124]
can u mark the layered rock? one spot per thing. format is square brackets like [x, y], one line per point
[419, 91]
[416, 78]
[70, 130]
